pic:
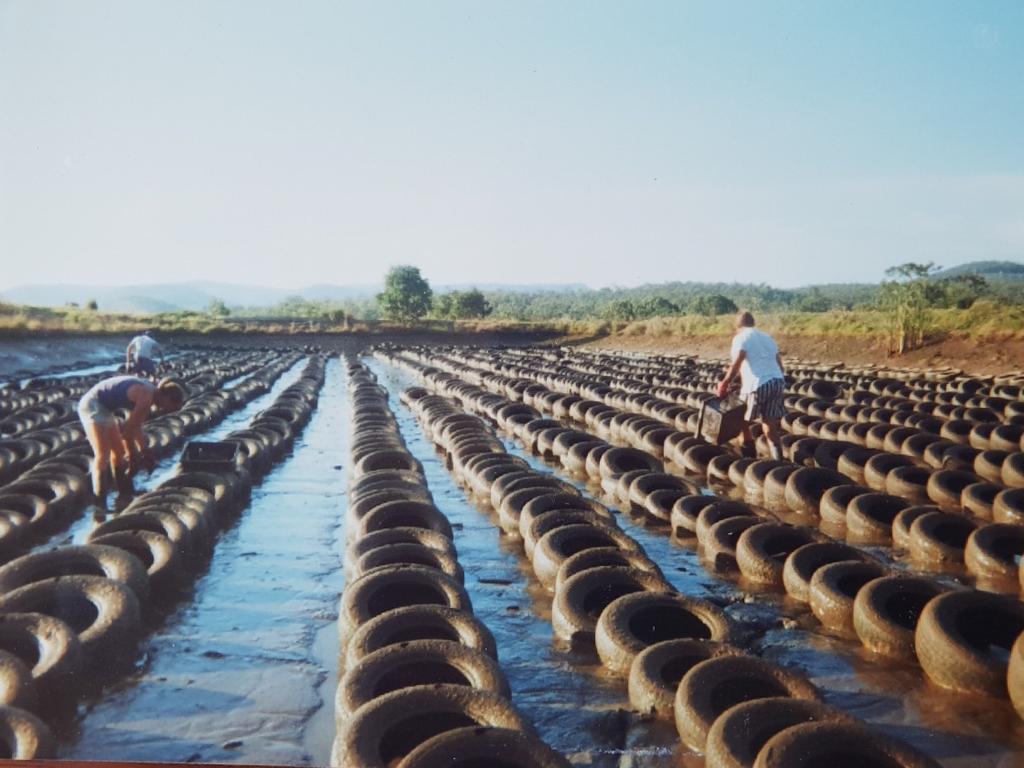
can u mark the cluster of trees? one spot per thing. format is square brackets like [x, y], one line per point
[909, 292]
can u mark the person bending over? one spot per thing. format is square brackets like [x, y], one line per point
[756, 359]
[141, 350]
[120, 449]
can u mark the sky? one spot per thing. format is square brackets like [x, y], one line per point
[608, 143]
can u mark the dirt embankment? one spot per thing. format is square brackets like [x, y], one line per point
[972, 355]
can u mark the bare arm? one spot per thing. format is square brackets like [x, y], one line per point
[134, 440]
[734, 369]
[778, 359]
[128, 353]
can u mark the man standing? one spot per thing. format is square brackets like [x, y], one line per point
[144, 348]
[756, 358]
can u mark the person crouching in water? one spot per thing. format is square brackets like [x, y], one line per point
[756, 358]
[119, 449]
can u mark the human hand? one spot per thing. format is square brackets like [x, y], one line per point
[723, 389]
[148, 460]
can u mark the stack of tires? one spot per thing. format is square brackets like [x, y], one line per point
[421, 684]
[71, 617]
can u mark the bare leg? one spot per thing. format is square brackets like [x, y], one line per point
[101, 439]
[773, 433]
[748, 447]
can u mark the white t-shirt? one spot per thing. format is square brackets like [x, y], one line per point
[760, 365]
[144, 347]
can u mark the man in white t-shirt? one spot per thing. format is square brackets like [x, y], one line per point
[756, 358]
[143, 349]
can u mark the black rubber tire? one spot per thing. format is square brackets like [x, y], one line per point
[939, 538]
[87, 560]
[405, 514]
[993, 551]
[158, 555]
[107, 632]
[817, 744]
[420, 622]
[1008, 506]
[467, 747]
[559, 544]
[738, 735]
[391, 726]
[954, 636]
[761, 551]
[604, 556]
[886, 612]
[579, 603]
[24, 736]
[802, 563]
[806, 486]
[416, 662]
[714, 686]
[833, 589]
[869, 517]
[685, 512]
[385, 589]
[656, 671]
[636, 621]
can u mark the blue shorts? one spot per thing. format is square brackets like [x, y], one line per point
[144, 366]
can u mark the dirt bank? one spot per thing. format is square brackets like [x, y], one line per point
[972, 355]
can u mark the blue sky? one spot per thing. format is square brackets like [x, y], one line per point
[290, 143]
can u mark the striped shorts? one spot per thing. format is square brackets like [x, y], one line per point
[766, 402]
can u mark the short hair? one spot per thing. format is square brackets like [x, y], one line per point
[173, 390]
[745, 319]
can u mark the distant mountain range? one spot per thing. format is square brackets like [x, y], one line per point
[196, 296]
[995, 271]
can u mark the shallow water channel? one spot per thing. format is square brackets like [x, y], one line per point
[244, 669]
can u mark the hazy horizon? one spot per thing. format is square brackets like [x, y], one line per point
[285, 145]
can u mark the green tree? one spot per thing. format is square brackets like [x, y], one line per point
[407, 296]
[621, 309]
[962, 291]
[217, 308]
[712, 305]
[470, 304]
[906, 299]
[656, 306]
[443, 304]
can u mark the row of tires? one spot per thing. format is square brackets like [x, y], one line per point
[47, 497]
[821, 381]
[678, 653]
[890, 484]
[421, 685]
[71, 617]
[197, 376]
[693, 382]
[951, 633]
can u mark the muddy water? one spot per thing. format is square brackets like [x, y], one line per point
[958, 730]
[243, 670]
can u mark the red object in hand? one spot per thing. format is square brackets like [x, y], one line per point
[723, 388]
[148, 460]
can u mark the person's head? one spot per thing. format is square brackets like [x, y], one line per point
[744, 320]
[169, 396]
[147, 332]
